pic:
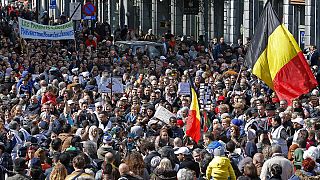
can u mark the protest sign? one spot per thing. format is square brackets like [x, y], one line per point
[163, 114]
[116, 85]
[184, 88]
[205, 98]
[33, 30]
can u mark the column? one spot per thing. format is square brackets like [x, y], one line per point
[317, 21]
[155, 16]
[226, 21]
[173, 16]
[111, 15]
[125, 4]
[201, 18]
[178, 17]
[309, 22]
[211, 20]
[233, 31]
[288, 14]
[185, 24]
[251, 16]
[247, 20]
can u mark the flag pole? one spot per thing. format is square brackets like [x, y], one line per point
[237, 79]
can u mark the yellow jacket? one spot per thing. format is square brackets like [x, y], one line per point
[220, 169]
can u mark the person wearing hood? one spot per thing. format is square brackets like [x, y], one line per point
[34, 106]
[278, 134]
[220, 166]
[20, 167]
[107, 147]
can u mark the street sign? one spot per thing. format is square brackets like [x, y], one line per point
[89, 9]
[89, 17]
[76, 12]
[53, 4]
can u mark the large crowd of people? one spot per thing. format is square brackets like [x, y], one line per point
[56, 122]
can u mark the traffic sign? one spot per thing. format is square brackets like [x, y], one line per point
[89, 9]
[75, 11]
[53, 4]
[89, 17]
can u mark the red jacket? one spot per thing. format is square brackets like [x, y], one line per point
[49, 97]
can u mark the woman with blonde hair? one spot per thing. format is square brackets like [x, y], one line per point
[59, 172]
[164, 170]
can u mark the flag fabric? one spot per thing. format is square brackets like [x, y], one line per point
[206, 121]
[193, 122]
[276, 58]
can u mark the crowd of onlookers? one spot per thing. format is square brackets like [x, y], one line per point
[56, 123]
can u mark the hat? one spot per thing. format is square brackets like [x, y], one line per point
[163, 58]
[70, 102]
[85, 74]
[123, 98]
[157, 91]
[97, 104]
[132, 135]
[35, 163]
[298, 120]
[219, 151]
[43, 125]
[270, 107]
[13, 125]
[237, 122]
[107, 138]
[74, 70]
[251, 134]
[32, 140]
[221, 98]
[213, 145]
[20, 164]
[180, 122]
[152, 121]
[183, 150]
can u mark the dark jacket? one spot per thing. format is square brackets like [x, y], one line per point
[190, 164]
[148, 158]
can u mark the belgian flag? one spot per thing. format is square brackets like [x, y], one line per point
[193, 129]
[276, 58]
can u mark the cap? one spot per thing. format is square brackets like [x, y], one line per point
[237, 122]
[85, 74]
[219, 151]
[74, 70]
[157, 91]
[298, 120]
[123, 98]
[70, 102]
[221, 98]
[107, 138]
[163, 58]
[43, 125]
[97, 104]
[183, 150]
[152, 121]
[180, 122]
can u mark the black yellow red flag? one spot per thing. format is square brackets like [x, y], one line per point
[276, 58]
